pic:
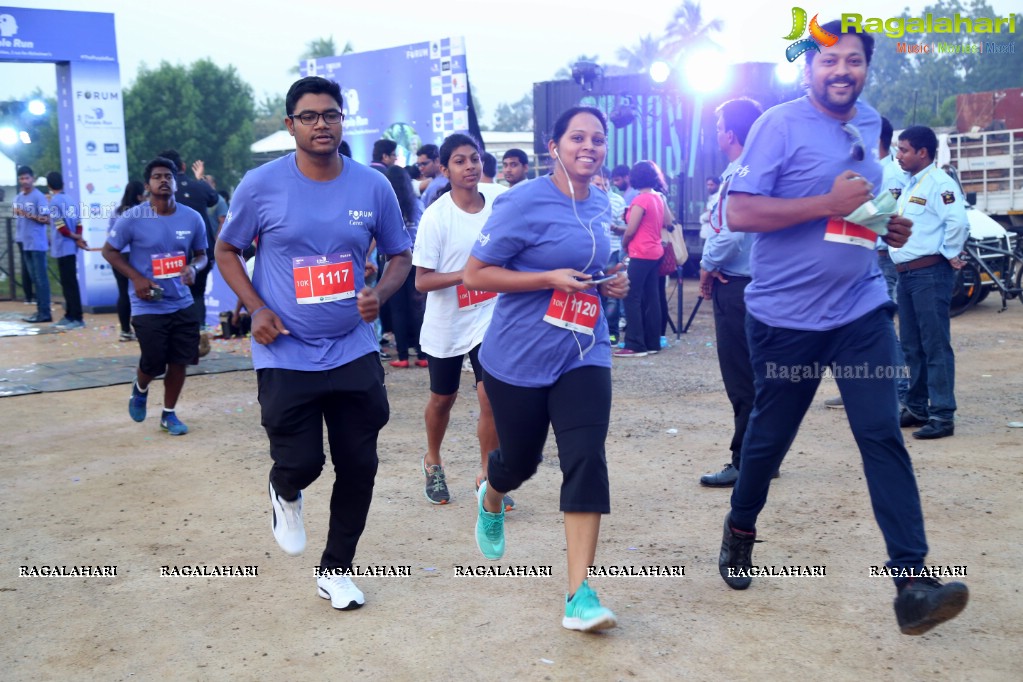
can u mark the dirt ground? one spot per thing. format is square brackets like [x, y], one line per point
[81, 484]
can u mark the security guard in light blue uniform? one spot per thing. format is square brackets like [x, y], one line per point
[926, 267]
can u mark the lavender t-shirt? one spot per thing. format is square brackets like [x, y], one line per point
[151, 236]
[298, 218]
[63, 213]
[800, 279]
[533, 229]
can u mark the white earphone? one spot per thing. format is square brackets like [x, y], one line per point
[556, 153]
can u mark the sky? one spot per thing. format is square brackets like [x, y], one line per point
[510, 44]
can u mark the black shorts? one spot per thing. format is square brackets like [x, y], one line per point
[167, 339]
[446, 373]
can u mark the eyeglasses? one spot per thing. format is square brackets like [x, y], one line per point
[859, 150]
[309, 118]
[424, 164]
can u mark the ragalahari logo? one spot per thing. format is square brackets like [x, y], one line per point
[818, 36]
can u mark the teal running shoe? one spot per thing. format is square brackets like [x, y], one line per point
[489, 528]
[584, 613]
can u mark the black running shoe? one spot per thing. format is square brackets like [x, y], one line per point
[736, 558]
[923, 603]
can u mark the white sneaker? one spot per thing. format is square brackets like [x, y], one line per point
[341, 591]
[286, 522]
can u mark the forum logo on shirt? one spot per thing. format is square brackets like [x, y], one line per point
[355, 217]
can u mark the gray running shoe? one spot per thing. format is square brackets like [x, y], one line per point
[436, 486]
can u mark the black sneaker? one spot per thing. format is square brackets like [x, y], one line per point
[923, 603]
[736, 558]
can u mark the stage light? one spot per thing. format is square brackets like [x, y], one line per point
[705, 71]
[787, 73]
[8, 136]
[659, 71]
[37, 107]
[25, 137]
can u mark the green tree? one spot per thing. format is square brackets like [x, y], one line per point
[318, 48]
[204, 111]
[921, 88]
[269, 116]
[517, 116]
[638, 59]
[889, 69]
[687, 30]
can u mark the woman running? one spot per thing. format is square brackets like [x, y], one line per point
[456, 317]
[546, 355]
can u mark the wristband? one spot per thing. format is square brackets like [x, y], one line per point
[253, 313]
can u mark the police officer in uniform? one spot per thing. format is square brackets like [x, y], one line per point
[926, 267]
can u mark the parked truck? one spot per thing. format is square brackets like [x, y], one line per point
[987, 150]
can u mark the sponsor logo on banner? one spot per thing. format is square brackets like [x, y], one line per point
[351, 109]
[90, 147]
[111, 147]
[93, 117]
[9, 29]
[98, 94]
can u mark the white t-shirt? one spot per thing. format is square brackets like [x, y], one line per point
[445, 239]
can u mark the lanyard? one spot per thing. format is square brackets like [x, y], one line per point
[909, 195]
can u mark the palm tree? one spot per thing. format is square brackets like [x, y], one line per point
[321, 47]
[639, 58]
[687, 30]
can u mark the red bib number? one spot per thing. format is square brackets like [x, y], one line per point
[321, 279]
[167, 265]
[469, 299]
[576, 312]
[843, 232]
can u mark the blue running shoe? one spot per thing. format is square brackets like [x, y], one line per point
[170, 423]
[137, 403]
[489, 528]
[584, 612]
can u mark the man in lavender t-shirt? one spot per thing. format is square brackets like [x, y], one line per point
[160, 234]
[314, 214]
[818, 299]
